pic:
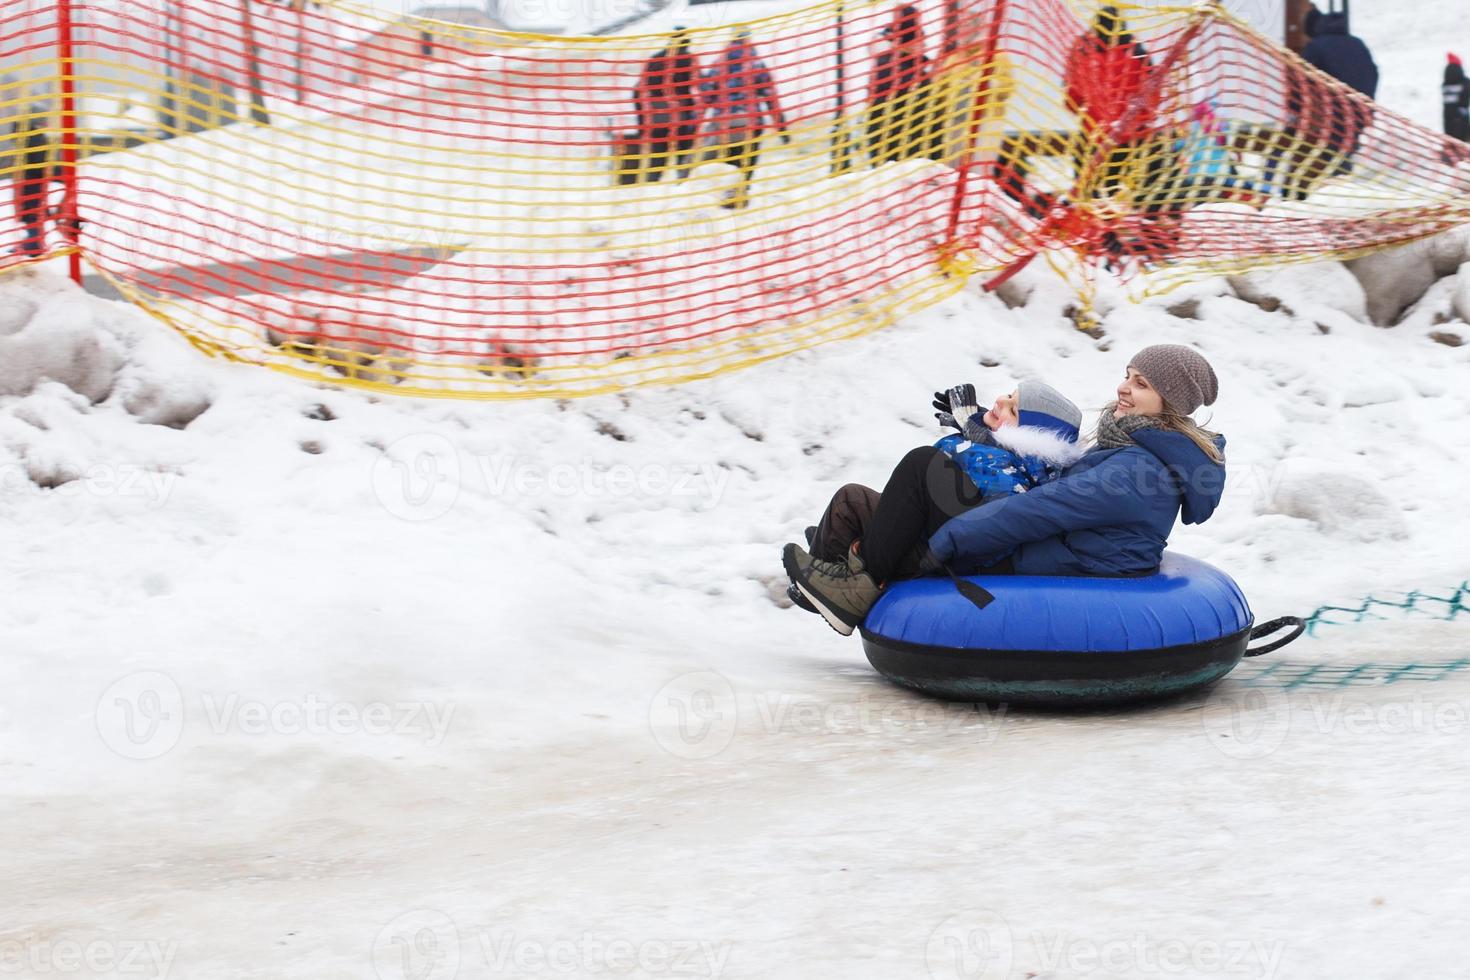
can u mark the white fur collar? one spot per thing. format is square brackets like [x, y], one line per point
[1032, 440]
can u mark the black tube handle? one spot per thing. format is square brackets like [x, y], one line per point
[1298, 625]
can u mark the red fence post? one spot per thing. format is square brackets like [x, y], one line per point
[982, 91]
[68, 222]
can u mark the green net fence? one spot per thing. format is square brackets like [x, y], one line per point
[1438, 605]
[1296, 675]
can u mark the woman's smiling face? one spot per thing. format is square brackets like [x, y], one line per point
[1137, 397]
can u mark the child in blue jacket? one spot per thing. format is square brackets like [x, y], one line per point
[1025, 440]
[1110, 513]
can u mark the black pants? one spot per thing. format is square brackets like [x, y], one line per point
[926, 489]
[744, 154]
[30, 210]
[667, 132]
[905, 126]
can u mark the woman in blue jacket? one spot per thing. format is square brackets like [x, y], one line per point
[1110, 513]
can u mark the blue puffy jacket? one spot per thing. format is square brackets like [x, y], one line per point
[1012, 459]
[1340, 54]
[1110, 513]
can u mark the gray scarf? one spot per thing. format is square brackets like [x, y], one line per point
[1116, 433]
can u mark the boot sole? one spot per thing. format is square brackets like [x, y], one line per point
[833, 618]
[799, 600]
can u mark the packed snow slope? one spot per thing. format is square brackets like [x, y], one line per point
[299, 682]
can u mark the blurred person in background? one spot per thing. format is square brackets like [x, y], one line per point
[668, 106]
[25, 157]
[1324, 126]
[740, 98]
[902, 121]
[1456, 99]
[1109, 82]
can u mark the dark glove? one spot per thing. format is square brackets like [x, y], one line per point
[946, 421]
[941, 401]
[962, 403]
[965, 408]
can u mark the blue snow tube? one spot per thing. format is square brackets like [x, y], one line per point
[1062, 640]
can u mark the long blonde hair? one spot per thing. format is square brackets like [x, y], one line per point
[1184, 425]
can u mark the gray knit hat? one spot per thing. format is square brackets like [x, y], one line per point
[1039, 404]
[1180, 374]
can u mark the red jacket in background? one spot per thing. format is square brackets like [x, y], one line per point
[1104, 79]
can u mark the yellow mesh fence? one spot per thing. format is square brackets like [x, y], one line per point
[467, 211]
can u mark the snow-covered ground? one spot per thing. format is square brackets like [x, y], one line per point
[300, 682]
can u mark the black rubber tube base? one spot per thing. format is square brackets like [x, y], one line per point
[1046, 678]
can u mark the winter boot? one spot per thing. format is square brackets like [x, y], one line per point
[792, 592]
[841, 590]
[798, 600]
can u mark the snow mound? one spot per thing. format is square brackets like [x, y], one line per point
[1301, 288]
[53, 334]
[1395, 279]
[1340, 504]
[1461, 301]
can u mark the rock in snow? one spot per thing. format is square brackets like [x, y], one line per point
[1461, 301]
[1298, 287]
[1341, 504]
[50, 332]
[1394, 279]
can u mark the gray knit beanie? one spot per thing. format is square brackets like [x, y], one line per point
[1180, 374]
[1038, 403]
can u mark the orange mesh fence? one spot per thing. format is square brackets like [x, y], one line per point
[449, 209]
[1192, 146]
